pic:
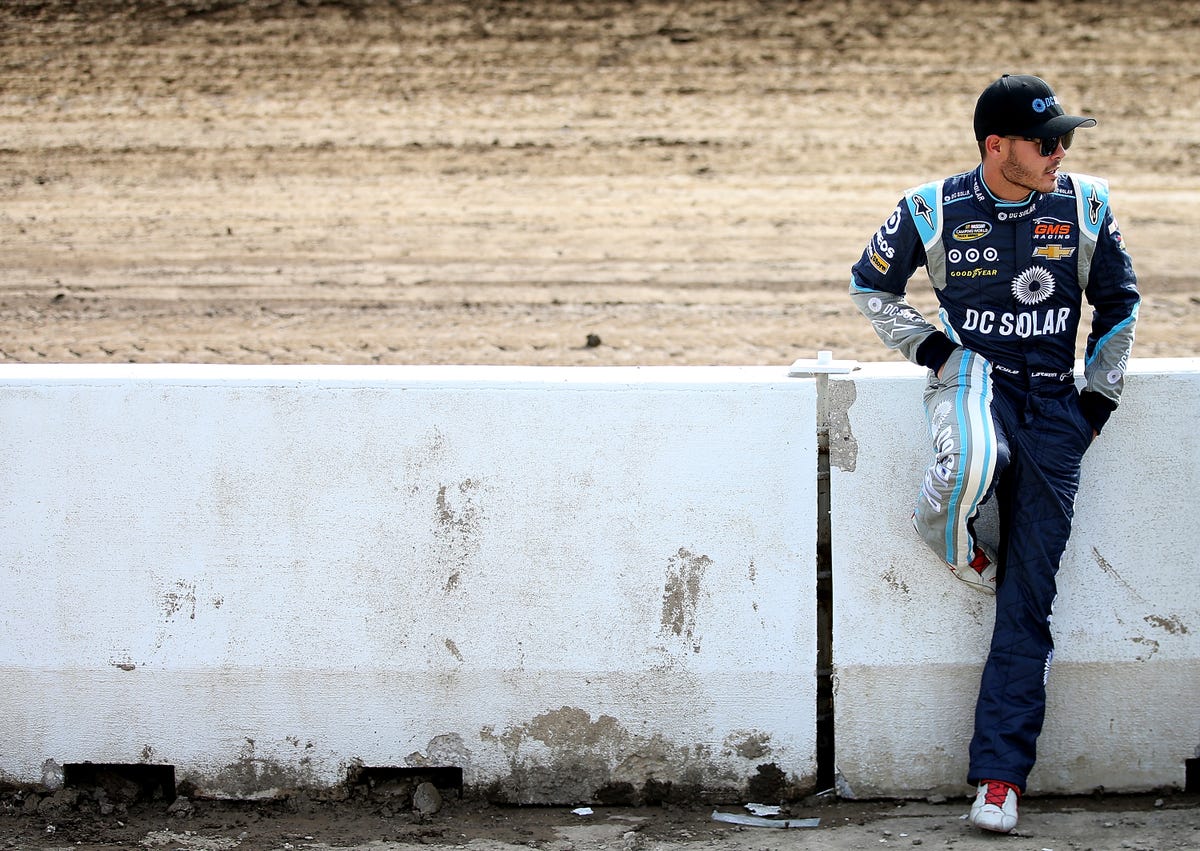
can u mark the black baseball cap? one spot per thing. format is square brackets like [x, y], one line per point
[1023, 105]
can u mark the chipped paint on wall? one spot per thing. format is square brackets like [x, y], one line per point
[458, 520]
[447, 749]
[1171, 624]
[749, 744]
[180, 597]
[566, 756]
[843, 448]
[253, 775]
[682, 593]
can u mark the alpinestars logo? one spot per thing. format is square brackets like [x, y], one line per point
[1033, 286]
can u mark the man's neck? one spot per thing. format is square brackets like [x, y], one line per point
[1000, 189]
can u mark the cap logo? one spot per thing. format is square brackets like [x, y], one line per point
[1040, 105]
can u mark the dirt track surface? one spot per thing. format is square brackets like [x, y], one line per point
[279, 181]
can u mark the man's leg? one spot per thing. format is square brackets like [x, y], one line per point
[1037, 496]
[968, 452]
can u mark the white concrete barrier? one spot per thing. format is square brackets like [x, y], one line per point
[558, 580]
[565, 582]
[909, 641]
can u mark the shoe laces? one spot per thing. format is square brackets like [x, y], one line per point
[997, 792]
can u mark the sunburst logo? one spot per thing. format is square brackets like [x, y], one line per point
[1033, 286]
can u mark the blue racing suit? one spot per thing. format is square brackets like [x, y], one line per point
[1004, 414]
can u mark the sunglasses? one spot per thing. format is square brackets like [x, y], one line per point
[1048, 145]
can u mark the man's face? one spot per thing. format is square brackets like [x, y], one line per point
[1025, 167]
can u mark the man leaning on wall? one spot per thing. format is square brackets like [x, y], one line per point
[1012, 249]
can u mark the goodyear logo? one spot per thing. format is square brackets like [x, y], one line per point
[971, 231]
[1053, 251]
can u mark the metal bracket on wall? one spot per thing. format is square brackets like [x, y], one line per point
[821, 368]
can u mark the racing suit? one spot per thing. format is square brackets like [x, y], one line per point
[1001, 402]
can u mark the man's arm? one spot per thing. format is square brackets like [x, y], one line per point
[901, 326]
[877, 287]
[1112, 291]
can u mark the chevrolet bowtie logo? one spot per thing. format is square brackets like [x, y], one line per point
[1053, 252]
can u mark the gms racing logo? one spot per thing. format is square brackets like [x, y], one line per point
[1048, 228]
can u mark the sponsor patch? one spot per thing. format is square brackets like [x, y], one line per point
[1095, 205]
[972, 255]
[1015, 215]
[1051, 227]
[971, 231]
[879, 263]
[1115, 233]
[977, 272]
[1033, 286]
[1054, 251]
[884, 247]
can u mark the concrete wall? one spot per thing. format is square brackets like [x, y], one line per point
[909, 641]
[555, 579]
[559, 580]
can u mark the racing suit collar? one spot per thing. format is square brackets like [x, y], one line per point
[1002, 210]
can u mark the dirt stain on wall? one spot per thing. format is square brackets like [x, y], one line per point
[682, 594]
[458, 521]
[567, 756]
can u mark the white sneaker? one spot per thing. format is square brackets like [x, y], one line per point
[995, 806]
[980, 574]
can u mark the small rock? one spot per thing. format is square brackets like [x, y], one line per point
[181, 807]
[52, 775]
[427, 800]
[60, 803]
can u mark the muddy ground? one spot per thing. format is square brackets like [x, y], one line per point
[1161, 822]
[299, 181]
[545, 183]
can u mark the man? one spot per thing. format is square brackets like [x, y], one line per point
[1012, 248]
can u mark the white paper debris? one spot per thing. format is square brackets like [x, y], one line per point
[763, 810]
[759, 821]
